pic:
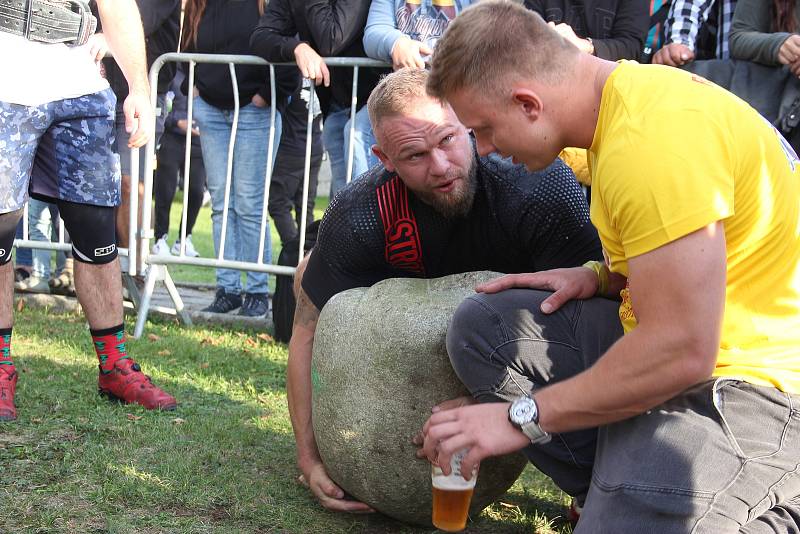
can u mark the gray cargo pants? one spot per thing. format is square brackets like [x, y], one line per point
[722, 457]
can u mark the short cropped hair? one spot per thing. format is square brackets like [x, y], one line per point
[494, 42]
[396, 93]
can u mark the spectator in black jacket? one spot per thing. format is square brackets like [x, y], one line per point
[608, 29]
[161, 24]
[286, 187]
[224, 27]
[304, 30]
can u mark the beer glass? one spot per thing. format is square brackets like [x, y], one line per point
[451, 495]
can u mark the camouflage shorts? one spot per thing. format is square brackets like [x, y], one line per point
[71, 143]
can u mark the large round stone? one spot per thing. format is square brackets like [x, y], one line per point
[379, 365]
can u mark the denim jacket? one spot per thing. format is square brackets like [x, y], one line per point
[424, 21]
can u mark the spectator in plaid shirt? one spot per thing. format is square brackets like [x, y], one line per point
[686, 17]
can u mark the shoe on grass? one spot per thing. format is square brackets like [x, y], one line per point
[128, 384]
[21, 273]
[191, 252]
[161, 248]
[255, 305]
[574, 512]
[8, 387]
[224, 302]
[63, 284]
[33, 284]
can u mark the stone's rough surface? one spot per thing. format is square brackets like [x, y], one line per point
[379, 365]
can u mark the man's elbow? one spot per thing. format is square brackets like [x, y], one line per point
[257, 43]
[698, 358]
[736, 44]
[262, 44]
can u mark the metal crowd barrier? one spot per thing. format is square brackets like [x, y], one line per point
[158, 265]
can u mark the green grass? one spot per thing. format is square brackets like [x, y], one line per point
[203, 241]
[223, 463]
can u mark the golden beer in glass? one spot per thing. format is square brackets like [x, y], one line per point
[451, 495]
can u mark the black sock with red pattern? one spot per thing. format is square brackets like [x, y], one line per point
[6, 363]
[109, 343]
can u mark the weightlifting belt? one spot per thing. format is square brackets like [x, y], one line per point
[53, 21]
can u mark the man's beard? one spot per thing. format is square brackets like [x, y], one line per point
[458, 202]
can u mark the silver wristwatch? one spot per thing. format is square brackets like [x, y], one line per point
[524, 414]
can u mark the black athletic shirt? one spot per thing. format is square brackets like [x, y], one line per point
[520, 221]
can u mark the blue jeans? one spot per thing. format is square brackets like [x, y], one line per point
[245, 204]
[721, 457]
[23, 257]
[336, 138]
[43, 226]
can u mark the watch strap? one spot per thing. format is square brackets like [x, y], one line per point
[535, 433]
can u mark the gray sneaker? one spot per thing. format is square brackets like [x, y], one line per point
[63, 284]
[255, 305]
[224, 302]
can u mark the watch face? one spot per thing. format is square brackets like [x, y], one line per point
[523, 411]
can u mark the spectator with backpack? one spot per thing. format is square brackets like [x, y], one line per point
[696, 29]
[767, 33]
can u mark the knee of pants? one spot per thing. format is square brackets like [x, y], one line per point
[92, 230]
[506, 333]
[469, 338]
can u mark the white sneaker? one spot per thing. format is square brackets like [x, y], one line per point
[206, 197]
[161, 248]
[190, 250]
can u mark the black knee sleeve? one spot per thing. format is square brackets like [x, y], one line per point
[92, 229]
[8, 229]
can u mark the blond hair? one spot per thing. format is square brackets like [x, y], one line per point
[395, 94]
[494, 42]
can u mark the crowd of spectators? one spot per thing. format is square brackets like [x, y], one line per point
[401, 33]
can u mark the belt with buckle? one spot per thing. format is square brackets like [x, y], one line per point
[54, 21]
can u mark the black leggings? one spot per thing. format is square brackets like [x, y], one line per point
[170, 163]
[91, 227]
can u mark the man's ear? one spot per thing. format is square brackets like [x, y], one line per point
[381, 155]
[528, 101]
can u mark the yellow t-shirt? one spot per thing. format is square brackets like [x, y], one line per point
[577, 161]
[673, 153]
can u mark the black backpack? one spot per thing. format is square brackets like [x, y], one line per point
[283, 301]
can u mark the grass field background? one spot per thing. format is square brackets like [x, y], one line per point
[222, 463]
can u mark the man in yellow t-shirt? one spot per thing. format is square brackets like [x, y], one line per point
[697, 203]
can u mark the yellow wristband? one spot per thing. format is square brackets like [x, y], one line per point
[602, 275]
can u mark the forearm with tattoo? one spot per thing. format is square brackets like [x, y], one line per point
[306, 314]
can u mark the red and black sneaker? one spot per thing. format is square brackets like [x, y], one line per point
[8, 386]
[574, 513]
[127, 383]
